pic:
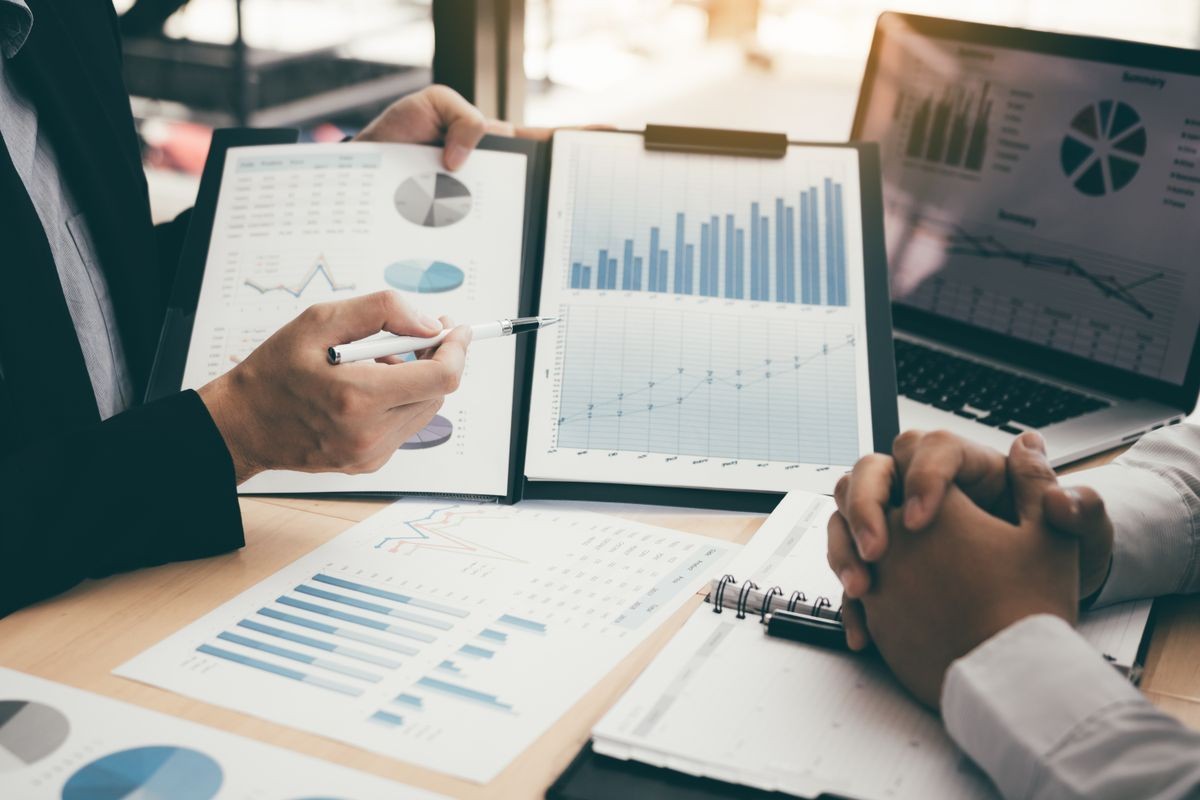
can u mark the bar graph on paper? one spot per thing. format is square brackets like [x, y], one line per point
[740, 237]
[713, 385]
[444, 634]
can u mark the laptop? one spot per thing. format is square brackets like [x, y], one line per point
[1042, 211]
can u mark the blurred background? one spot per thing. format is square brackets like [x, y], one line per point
[327, 66]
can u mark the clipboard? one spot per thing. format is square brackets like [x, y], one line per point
[178, 329]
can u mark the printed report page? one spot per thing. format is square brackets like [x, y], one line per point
[713, 330]
[301, 224]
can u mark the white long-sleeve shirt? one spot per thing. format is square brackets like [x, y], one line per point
[1038, 709]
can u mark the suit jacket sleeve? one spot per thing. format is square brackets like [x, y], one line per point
[151, 485]
[169, 238]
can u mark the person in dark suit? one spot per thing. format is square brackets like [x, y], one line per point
[93, 481]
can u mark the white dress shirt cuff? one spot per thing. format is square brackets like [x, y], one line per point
[1152, 521]
[1017, 697]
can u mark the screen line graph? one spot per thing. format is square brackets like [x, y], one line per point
[319, 267]
[1111, 287]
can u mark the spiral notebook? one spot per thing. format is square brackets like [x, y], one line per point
[799, 719]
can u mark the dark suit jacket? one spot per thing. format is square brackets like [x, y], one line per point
[81, 498]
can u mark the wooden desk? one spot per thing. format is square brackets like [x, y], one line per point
[79, 637]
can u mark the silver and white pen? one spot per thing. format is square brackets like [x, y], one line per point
[400, 345]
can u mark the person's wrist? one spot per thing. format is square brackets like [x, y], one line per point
[228, 414]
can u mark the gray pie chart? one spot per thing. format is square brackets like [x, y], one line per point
[29, 732]
[433, 199]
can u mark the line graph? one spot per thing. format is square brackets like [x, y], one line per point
[441, 529]
[1102, 305]
[319, 267]
[709, 385]
[1110, 286]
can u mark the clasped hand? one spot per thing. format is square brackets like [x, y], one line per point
[978, 543]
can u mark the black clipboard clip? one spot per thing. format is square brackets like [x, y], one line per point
[715, 141]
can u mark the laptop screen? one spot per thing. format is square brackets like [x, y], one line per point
[1041, 190]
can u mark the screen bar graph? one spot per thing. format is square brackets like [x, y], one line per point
[790, 251]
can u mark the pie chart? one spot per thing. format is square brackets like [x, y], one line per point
[147, 773]
[1102, 150]
[438, 431]
[433, 199]
[423, 275]
[29, 732]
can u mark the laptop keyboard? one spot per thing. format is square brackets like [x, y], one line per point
[995, 397]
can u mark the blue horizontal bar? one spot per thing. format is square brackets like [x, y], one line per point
[417, 602]
[449, 666]
[345, 633]
[387, 718]
[410, 700]
[303, 658]
[463, 692]
[282, 672]
[498, 636]
[357, 620]
[366, 605]
[348, 652]
[478, 652]
[518, 622]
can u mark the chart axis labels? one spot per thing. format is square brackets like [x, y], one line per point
[433, 199]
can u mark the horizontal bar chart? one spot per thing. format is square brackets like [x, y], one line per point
[356, 619]
[303, 658]
[395, 597]
[378, 608]
[308, 641]
[334, 630]
[283, 672]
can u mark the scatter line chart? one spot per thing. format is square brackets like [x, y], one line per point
[713, 385]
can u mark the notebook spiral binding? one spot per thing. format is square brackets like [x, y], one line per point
[719, 594]
[797, 597]
[766, 603]
[743, 596]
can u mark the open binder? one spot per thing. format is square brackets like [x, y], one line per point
[726, 330]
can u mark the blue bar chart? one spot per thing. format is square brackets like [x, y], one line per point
[786, 250]
[440, 653]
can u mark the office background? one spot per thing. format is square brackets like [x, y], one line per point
[791, 65]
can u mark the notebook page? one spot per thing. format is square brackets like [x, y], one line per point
[797, 719]
[1117, 631]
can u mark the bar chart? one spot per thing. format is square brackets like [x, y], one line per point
[951, 129]
[708, 226]
[431, 650]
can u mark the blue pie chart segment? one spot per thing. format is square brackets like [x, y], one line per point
[423, 276]
[147, 773]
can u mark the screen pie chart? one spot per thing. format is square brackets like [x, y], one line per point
[433, 199]
[29, 732]
[1103, 148]
[147, 773]
[425, 276]
[438, 431]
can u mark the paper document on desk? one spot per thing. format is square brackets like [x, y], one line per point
[62, 743]
[725, 701]
[301, 224]
[450, 636]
